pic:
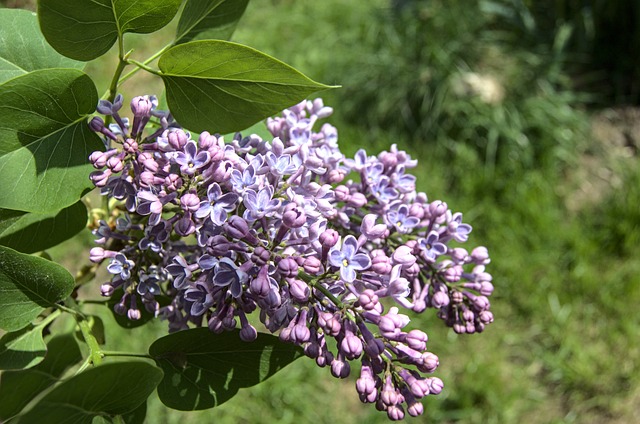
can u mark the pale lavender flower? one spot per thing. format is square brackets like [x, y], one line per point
[348, 259]
[190, 159]
[217, 205]
[121, 266]
[260, 204]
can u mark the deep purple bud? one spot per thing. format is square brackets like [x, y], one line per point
[340, 368]
[437, 209]
[403, 256]
[115, 164]
[190, 202]
[247, 333]
[106, 290]
[100, 178]
[486, 317]
[395, 413]
[330, 323]
[288, 267]
[312, 265]
[435, 385]
[416, 339]
[480, 255]
[439, 299]
[368, 300]
[293, 216]
[389, 395]
[430, 362]
[342, 193]
[141, 106]
[329, 238]
[357, 200]
[261, 285]
[381, 264]
[366, 385]
[299, 290]
[351, 346]
[459, 255]
[130, 146]
[177, 139]
[184, 226]
[414, 408]
[260, 255]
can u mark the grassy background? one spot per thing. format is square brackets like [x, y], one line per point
[564, 347]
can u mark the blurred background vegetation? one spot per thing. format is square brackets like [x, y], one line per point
[523, 115]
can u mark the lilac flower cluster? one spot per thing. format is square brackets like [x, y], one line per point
[320, 245]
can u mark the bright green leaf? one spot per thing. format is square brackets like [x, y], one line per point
[18, 388]
[110, 389]
[203, 369]
[224, 87]
[28, 285]
[45, 141]
[23, 47]
[22, 349]
[209, 19]
[34, 232]
[86, 30]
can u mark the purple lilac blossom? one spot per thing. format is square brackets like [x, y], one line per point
[274, 226]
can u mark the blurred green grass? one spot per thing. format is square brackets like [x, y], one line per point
[564, 347]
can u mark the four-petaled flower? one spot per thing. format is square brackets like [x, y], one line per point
[122, 266]
[348, 260]
[217, 204]
[190, 160]
[226, 273]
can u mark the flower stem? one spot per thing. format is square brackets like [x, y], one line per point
[95, 353]
[132, 354]
[146, 62]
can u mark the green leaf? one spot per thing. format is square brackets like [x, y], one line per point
[206, 19]
[136, 416]
[203, 369]
[109, 389]
[18, 388]
[45, 141]
[224, 87]
[23, 48]
[34, 232]
[28, 285]
[22, 349]
[85, 30]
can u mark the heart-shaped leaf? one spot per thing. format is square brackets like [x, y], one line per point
[85, 30]
[45, 141]
[224, 87]
[23, 48]
[28, 285]
[22, 349]
[203, 369]
[207, 19]
[109, 389]
[34, 232]
[18, 388]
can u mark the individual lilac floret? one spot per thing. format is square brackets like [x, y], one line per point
[121, 266]
[348, 260]
[217, 205]
[227, 274]
[191, 160]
